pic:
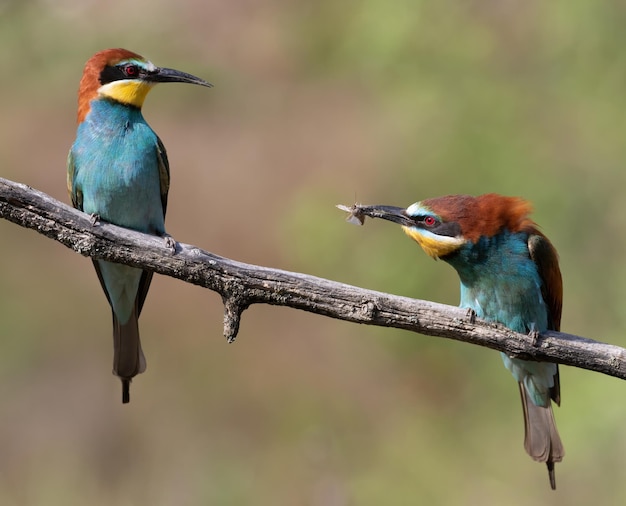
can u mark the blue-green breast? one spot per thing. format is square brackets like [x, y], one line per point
[117, 167]
[500, 281]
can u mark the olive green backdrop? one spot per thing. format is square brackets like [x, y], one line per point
[315, 103]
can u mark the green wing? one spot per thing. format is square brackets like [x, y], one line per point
[544, 255]
[76, 196]
[164, 173]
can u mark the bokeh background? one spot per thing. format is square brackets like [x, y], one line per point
[315, 103]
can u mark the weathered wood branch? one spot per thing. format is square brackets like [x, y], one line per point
[242, 285]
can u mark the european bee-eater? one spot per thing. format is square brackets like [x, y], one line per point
[118, 172]
[509, 275]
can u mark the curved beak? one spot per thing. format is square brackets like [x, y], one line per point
[390, 213]
[165, 75]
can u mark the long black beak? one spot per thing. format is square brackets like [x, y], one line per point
[165, 75]
[358, 213]
[390, 213]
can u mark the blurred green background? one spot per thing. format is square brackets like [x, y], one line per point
[315, 103]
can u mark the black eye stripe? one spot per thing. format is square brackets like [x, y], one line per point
[112, 73]
[436, 226]
[425, 219]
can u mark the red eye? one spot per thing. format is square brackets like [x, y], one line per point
[429, 221]
[131, 70]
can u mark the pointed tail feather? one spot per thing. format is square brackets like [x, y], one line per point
[128, 358]
[541, 440]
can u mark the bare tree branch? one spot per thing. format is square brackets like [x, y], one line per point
[242, 285]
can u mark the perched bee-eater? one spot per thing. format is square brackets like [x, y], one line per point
[509, 275]
[118, 172]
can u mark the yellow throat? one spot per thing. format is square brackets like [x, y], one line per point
[126, 91]
[434, 245]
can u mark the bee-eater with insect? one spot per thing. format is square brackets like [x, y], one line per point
[118, 172]
[510, 275]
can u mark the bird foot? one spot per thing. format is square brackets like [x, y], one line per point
[94, 218]
[534, 335]
[470, 315]
[170, 242]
